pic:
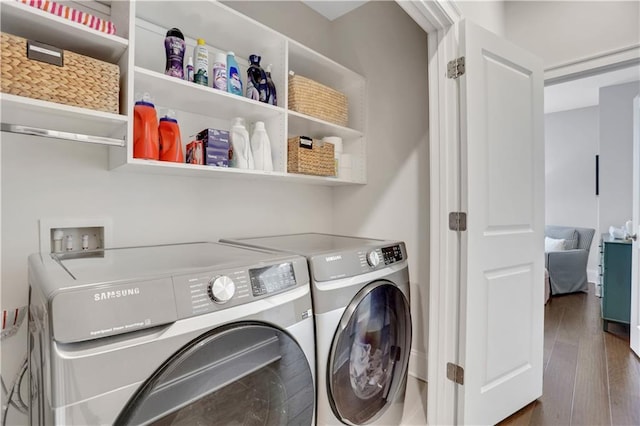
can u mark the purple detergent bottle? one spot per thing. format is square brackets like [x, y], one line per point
[174, 46]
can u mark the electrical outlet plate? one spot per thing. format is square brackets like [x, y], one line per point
[98, 230]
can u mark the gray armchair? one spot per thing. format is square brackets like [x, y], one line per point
[568, 268]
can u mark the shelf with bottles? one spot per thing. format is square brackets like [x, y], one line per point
[198, 107]
[194, 98]
[222, 29]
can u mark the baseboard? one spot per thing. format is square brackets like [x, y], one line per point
[418, 365]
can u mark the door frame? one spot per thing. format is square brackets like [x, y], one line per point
[438, 19]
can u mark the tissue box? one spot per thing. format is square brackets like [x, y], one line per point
[215, 147]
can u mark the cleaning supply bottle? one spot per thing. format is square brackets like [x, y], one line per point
[239, 138]
[219, 72]
[234, 82]
[201, 55]
[272, 99]
[174, 48]
[257, 88]
[261, 148]
[189, 75]
[146, 142]
[170, 140]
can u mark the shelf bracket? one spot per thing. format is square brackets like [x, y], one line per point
[55, 134]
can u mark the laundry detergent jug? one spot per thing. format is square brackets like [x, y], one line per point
[170, 140]
[146, 142]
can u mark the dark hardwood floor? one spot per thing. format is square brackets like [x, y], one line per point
[590, 377]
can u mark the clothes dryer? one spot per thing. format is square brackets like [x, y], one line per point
[360, 291]
[185, 334]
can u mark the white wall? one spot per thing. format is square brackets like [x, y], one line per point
[616, 148]
[395, 202]
[563, 31]
[291, 18]
[487, 14]
[571, 144]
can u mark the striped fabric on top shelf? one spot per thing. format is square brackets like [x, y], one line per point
[72, 14]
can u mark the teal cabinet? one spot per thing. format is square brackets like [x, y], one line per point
[615, 274]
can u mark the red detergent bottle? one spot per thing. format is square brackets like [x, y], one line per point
[146, 142]
[170, 140]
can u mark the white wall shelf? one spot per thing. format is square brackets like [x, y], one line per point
[64, 118]
[180, 169]
[138, 49]
[32, 23]
[301, 124]
[197, 99]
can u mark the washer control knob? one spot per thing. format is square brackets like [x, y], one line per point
[373, 258]
[221, 289]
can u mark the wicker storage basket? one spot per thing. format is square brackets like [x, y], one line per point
[311, 98]
[317, 160]
[81, 81]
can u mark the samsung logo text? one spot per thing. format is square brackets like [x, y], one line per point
[116, 294]
[333, 258]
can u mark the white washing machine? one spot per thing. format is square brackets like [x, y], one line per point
[360, 291]
[186, 334]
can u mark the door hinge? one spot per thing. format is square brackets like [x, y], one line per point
[458, 221]
[455, 68]
[455, 373]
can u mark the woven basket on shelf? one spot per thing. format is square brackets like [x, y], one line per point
[317, 160]
[82, 81]
[312, 98]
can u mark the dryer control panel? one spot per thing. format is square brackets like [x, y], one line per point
[391, 254]
[333, 265]
[272, 279]
[198, 294]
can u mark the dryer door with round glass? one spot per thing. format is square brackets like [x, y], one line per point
[244, 373]
[370, 353]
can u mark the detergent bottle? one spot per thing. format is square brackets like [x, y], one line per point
[170, 140]
[257, 88]
[146, 142]
[272, 99]
[261, 148]
[174, 48]
[242, 157]
[201, 67]
[234, 82]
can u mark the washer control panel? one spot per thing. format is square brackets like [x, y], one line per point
[272, 279]
[333, 265]
[197, 294]
[392, 254]
[382, 256]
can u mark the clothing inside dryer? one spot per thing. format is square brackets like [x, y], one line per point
[370, 355]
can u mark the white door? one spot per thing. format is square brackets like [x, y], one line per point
[635, 262]
[502, 254]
